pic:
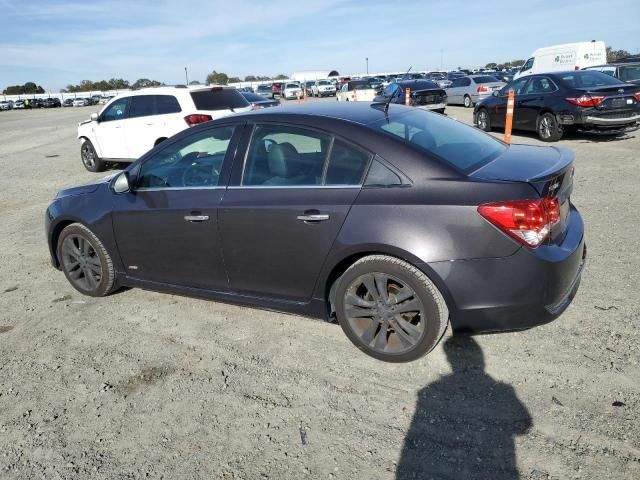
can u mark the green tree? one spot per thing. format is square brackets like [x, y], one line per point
[281, 77]
[145, 83]
[250, 78]
[218, 78]
[234, 80]
[491, 65]
[26, 89]
[613, 55]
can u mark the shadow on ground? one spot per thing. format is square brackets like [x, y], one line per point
[465, 424]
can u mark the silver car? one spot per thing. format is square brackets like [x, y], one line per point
[471, 89]
[6, 105]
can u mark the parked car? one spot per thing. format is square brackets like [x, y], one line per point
[394, 222]
[80, 102]
[258, 101]
[568, 56]
[134, 122]
[36, 103]
[19, 105]
[356, 91]
[68, 102]
[627, 72]
[51, 102]
[276, 90]
[552, 103]
[424, 94]
[265, 90]
[471, 89]
[6, 105]
[323, 88]
[291, 91]
[105, 99]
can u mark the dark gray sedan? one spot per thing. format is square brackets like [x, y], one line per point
[390, 219]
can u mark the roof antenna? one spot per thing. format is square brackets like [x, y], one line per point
[393, 95]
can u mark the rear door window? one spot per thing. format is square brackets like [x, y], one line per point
[218, 99]
[346, 164]
[282, 155]
[142, 106]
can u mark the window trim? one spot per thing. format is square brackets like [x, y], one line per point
[333, 136]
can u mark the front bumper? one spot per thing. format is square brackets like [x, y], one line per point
[526, 289]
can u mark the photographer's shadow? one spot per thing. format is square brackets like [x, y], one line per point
[465, 424]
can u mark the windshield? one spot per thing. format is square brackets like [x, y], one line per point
[487, 79]
[291, 85]
[324, 82]
[589, 79]
[630, 73]
[464, 147]
[361, 85]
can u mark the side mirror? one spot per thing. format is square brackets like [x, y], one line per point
[94, 117]
[121, 183]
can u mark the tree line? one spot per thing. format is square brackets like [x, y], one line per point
[222, 78]
[26, 89]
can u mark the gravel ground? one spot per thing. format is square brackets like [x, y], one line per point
[141, 384]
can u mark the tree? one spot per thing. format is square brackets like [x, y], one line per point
[281, 77]
[234, 80]
[26, 89]
[491, 65]
[145, 83]
[217, 77]
[118, 84]
[250, 78]
[613, 55]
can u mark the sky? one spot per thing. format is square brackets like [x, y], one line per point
[55, 43]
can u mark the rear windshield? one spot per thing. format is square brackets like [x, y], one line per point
[292, 85]
[587, 79]
[464, 147]
[487, 79]
[360, 85]
[224, 99]
[253, 97]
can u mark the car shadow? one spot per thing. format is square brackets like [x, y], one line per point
[465, 424]
[580, 136]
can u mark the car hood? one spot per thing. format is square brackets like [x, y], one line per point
[86, 188]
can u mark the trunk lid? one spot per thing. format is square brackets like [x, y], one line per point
[549, 170]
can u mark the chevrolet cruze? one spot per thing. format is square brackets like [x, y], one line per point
[392, 220]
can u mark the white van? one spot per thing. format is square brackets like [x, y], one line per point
[570, 56]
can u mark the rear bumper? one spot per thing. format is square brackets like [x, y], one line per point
[612, 121]
[526, 289]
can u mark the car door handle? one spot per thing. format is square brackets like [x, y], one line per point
[314, 217]
[196, 218]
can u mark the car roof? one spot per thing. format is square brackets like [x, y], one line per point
[362, 113]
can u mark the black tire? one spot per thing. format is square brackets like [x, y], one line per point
[468, 103]
[85, 262]
[90, 158]
[484, 120]
[548, 128]
[400, 325]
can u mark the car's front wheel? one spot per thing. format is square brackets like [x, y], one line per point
[468, 103]
[549, 130]
[85, 262]
[390, 309]
[90, 158]
[484, 121]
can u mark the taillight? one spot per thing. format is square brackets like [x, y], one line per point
[256, 107]
[196, 118]
[586, 100]
[527, 221]
[216, 89]
[637, 95]
[483, 89]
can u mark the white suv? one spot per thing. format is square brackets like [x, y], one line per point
[135, 122]
[323, 88]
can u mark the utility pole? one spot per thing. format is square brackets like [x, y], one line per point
[367, 60]
[186, 76]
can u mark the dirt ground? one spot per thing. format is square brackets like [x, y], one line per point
[141, 384]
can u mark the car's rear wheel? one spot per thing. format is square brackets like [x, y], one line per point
[390, 309]
[548, 128]
[85, 262]
[484, 121]
[468, 103]
[90, 158]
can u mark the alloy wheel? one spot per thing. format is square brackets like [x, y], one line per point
[81, 262]
[546, 127]
[385, 313]
[88, 156]
[483, 120]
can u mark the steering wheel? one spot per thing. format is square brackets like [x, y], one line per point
[196, 175]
